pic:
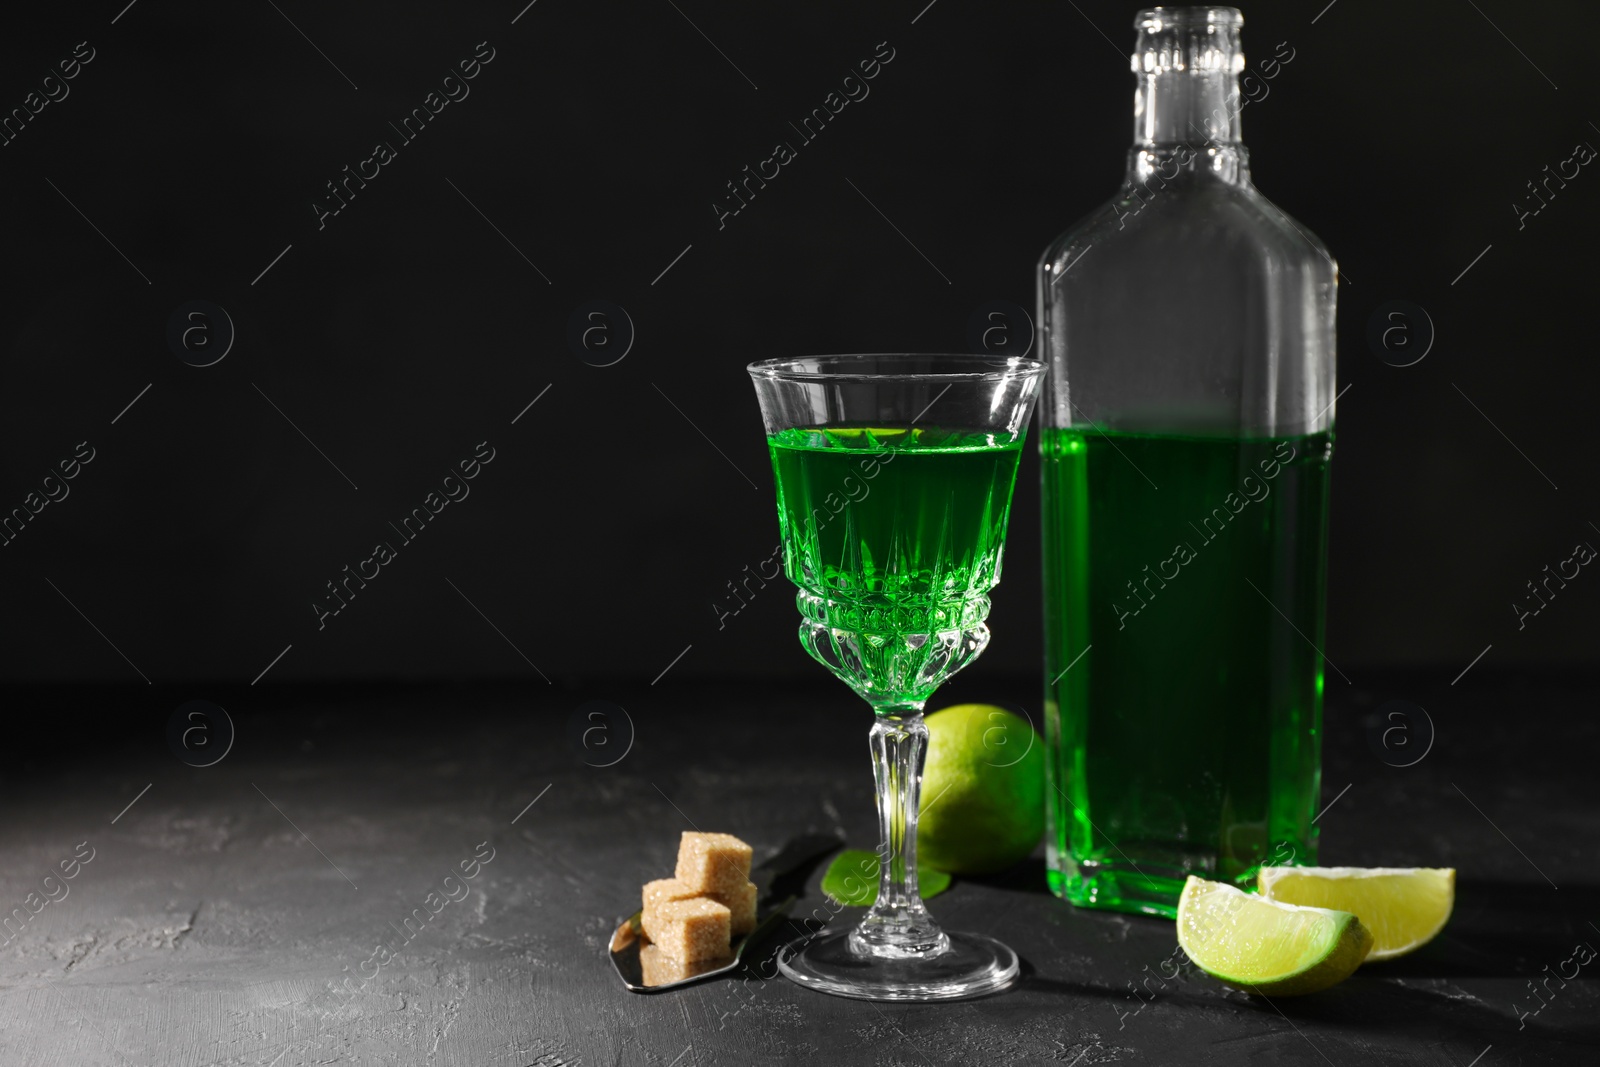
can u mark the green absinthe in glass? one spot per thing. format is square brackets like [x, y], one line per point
[1188, 736]
[894, 536]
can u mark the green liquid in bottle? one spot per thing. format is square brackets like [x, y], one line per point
[1187, 738]
[894, 537]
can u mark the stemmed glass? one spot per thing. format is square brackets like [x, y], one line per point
[894, 477]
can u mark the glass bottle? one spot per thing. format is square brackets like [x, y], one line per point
[1187, 429]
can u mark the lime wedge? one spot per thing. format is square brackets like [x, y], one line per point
[1263, 946]
[1404, 907]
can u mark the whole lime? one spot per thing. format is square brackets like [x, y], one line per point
[982, 790]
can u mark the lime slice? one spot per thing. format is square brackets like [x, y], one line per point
[852, 878]
[1404, 907]
[1263, 946]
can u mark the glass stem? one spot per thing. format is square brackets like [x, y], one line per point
[899, 746]
[897, 925]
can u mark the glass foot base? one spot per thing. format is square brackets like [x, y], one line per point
[972, 966]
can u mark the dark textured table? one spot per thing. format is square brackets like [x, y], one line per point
[231, 915]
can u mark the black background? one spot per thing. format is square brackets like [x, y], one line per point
[407, 329]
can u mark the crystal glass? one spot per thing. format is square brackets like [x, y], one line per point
[894, 477]
[1187, 427]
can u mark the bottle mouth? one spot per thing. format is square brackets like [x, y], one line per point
[1156, 19]
[1196, 40]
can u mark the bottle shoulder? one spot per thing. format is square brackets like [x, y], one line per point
[1202, 304]
[1212, 218]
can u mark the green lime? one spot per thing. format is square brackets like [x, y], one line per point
[1263, 946]
[982, 790]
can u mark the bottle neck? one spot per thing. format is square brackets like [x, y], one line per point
[1187, 123]
[1187, 104]
[1187, 107]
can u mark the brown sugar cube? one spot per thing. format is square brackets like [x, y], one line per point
[664, 891]
[689, 930]
[713, 863]
[661, 969]
[741, 904]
